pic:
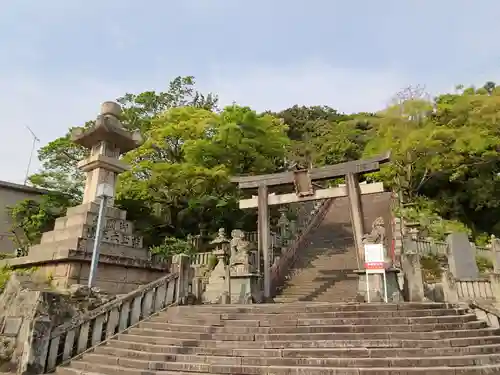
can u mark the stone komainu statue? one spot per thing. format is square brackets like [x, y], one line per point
[240, 251]
[377, 234]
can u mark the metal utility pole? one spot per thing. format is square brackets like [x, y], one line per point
[35, 139]
[104, 191]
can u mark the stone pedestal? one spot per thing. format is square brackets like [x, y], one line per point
[63, 257]
[216, 286]
[376, 285]
[245, 289]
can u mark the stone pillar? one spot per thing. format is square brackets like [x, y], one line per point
[495, 253]
[356, 213]
[264, 236]
[449, 288]
[182, 263]
[106, 141]
[283, 228]
[413, 280]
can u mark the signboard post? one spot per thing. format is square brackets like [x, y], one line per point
[375, 264]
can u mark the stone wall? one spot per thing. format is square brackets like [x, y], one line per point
[25, 298]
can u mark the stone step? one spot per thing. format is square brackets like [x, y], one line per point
[317, 322]
[291, 337]
[273, 316]
[470, 317]
[343, 328]
[116, 370]
[314, 307]
[359, 342]
[145, 360]
[204, 368]
[342, 352]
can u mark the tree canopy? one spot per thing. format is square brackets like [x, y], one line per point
[445, 159]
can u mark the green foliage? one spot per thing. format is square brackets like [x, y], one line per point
[445, 161]
[180, 176]
[426, 213]
[212, 262]
[5, 273]
[432, 267]
[30, 218]
[320, 135]
[172, 246]
[484, 264]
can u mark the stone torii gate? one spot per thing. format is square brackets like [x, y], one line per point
[304, 191]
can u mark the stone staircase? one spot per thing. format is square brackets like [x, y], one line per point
[324, 268]
[300, 338]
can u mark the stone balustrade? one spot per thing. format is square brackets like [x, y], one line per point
[282, 264]
[486, 312]
[51, 347]
[473, 289]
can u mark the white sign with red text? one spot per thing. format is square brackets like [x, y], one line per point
[374, 258]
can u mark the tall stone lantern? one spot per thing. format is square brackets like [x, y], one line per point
[64, 254]
[107, 140]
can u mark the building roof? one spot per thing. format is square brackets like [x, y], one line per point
[24, 188]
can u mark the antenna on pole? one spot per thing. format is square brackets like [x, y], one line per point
[35, 139]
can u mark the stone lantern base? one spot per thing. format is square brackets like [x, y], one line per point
[245, 289]
[63, 257]
[376, 285]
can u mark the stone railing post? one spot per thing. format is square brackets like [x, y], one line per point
[182, 263]
[495, 253]
[412, 270]
[293, 229]
[283, 225]
[36, 349]
[495, 285]
[449, 286]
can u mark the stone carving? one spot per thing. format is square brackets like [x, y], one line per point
[377, 234]
[221, 236]
[115, 237]
[240, 257]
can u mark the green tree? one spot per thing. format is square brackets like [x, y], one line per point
[445, 150]
[321, 135]
[59, 158]
[179, 179]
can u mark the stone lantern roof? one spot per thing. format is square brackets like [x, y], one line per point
[108, 128]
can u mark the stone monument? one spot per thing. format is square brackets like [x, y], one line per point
[64, 254]
[376, 284]
[461, 257]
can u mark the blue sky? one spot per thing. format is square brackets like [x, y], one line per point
[59, 59]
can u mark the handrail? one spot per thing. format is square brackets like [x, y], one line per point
[486, 312]
[287, 258]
